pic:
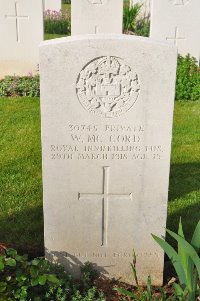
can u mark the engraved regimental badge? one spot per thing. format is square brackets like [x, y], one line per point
[107, 87]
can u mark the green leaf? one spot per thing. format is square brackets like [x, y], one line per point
[34, 271]
[187, 263]
[180, 229]
[179, 291]
[196, 238]
[127, 293]
[35, 262]
[189, 250]
[24, 257]
[190, 274]
[3, 286]
[10, 262]
[181, 252]
[34, 282]
[18, 258]
[1, 264]
[21, 278]
[173, 256]
[42, 279]
[52, 278]
[11, 252]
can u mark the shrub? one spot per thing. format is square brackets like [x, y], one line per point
[12, 86]
[57, 22]
[39, 280]
[130, 17]
[142, 27]
[134, 23]
[187, 82]
[188, 79]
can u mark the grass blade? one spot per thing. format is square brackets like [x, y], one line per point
[134, 274]
[149, 294]
[126, 293]
[181, 252]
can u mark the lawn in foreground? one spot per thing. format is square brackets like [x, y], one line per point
[21, 219]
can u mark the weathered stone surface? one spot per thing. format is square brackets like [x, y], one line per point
[53, 5]
[106, 108]
[96, 16]
[178, 22]
[21, 30]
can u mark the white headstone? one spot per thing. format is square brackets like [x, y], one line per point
[106, 107]
[146, 6]
[53, 5]
[178, 22]
[96, 16]
[21, 31]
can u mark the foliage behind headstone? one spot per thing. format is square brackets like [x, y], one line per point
[188, 79]
[57, 22]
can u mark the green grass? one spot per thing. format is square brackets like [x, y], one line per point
[66, 7]
[184, 189]
[50, 36]
[21, 221]
[126, 3]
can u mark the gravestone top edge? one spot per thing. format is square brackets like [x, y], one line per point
[78, 38]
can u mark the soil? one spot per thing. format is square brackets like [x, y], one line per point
[3, 247]
[107, 287]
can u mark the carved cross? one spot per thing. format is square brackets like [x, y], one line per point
[105, 197]
[96, 28]
[175, 38]
[17, 18]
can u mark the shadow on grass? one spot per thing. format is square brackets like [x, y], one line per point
[24, 231]
[184, 198]
[190, 216]
[184, 178]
